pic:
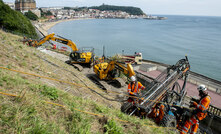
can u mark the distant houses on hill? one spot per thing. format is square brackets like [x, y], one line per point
[99, 12]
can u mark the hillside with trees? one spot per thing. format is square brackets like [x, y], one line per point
[47, 13]
[15, 22]
[31, 15]
[128, 9]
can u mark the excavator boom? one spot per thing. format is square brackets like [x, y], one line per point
[77, 56]
[110, 72]
[104, 69]
[58, 39]
[129, 71]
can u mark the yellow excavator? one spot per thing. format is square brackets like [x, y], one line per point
[84, 55]
[110, 72]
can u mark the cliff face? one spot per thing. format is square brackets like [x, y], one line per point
[53, 97]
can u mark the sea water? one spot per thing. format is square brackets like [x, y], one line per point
[166, 41]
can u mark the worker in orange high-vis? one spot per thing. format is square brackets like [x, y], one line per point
[157, 112]
[200, 111]
[134, 88]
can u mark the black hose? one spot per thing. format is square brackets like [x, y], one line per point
[81, 81]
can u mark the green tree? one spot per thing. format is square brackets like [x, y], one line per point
[67, 8]
[15, 21]
[42, 12]
[48, 13]
[130, 10]
[31, 15]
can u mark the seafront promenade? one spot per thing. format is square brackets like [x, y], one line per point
[194, 80]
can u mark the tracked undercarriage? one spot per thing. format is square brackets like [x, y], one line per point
[75, 65]
[107, 84]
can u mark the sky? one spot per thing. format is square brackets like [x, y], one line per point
[161, 7]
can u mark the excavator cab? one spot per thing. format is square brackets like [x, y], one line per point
[83, 55]
[75, 56]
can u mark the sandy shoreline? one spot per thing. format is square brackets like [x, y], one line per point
[45, 26]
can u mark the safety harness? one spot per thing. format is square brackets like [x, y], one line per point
[199, 110]
[135, 85]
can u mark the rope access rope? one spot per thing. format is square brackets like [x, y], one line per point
[79, 85]
[90, 113]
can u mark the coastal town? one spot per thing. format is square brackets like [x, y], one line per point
[60, 13]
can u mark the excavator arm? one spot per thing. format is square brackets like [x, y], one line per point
[119, 66]
[58, 39]
[44, 39]
[105, 68]
[77, 56]
[66, 42]
[129, 71]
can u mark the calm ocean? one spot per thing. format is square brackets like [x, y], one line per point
[164, 41]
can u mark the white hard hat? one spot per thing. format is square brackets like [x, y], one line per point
[202, 87]
[133, 78]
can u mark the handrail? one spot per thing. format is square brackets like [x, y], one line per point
[196, 78]
[215, 111]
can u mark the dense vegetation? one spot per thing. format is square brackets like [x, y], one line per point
[43, 14]
[31, 15]
[130, 10]
[76, 9]
[15, 22]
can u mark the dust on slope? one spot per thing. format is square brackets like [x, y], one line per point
[30, 114]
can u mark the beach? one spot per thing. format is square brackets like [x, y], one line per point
[45, 26]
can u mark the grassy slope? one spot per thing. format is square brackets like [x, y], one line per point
[30, 114]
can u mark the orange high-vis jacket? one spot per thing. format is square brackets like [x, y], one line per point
[202, 107]
[157, 113]
[160, 114]
[134, 88]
